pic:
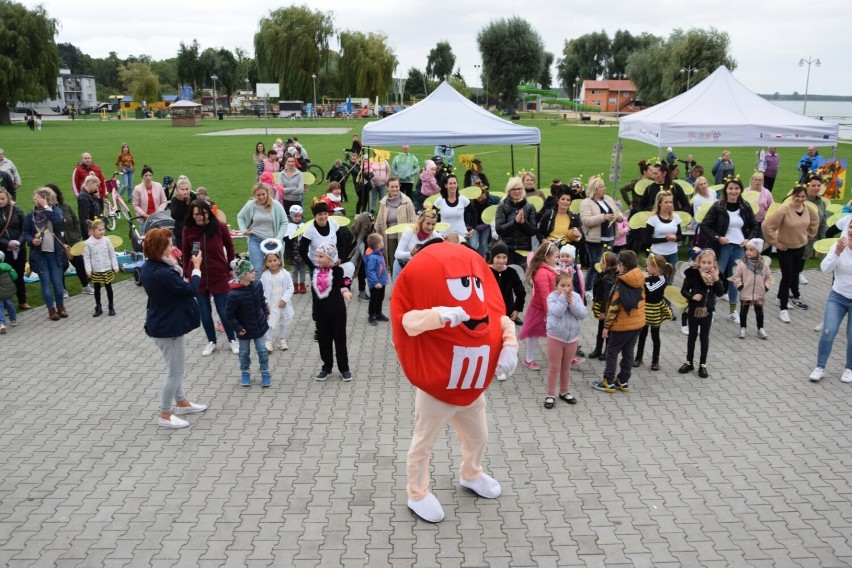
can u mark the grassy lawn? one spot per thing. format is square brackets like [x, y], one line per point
[224, 163]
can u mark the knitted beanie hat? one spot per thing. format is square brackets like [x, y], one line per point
[756, 243]
[570, 250]
[329, 250]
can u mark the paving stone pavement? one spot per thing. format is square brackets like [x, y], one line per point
[750, 467]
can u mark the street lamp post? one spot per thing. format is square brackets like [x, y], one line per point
[214, 77]
[579, 88]
[314, 113]
[619, 77]
[477, 67]
[689, 71]
[809, 61]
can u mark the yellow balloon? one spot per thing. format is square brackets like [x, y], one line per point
[702, 211]
[639, 220]
[489, 213]
[308, 178]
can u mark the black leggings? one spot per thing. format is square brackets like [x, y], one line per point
[790, 261]
[655, 341]
[80, 267]
[758, 314]
[599, 340]
[98, 293]
[699, 328]
[363, 192]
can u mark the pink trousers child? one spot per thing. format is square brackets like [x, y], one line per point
[430, 417]
[559, 357]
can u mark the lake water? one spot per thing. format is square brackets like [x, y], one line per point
[832, 111]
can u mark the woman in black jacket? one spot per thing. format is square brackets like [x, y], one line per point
[729, 225]
[172, 313]
[516, 221]
[12, 241]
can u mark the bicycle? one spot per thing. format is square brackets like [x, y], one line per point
[114, 205]
[317, 171]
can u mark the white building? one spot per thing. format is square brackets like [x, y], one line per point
[74, 91]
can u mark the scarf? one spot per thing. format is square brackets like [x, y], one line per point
[323, 282]
[708, 279]
[421, 236]
[172, 263]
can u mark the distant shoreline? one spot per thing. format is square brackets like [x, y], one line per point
[798, 97]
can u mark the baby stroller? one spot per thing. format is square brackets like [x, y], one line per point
[158, 220]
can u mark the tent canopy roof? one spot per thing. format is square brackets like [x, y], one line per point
[186, 104]
[720, 111]
[446, 117]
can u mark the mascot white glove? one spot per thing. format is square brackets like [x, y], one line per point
[454, 316]
[507, 362]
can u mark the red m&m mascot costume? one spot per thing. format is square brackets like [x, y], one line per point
[452, 336]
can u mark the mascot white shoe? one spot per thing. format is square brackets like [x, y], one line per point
[452, 336]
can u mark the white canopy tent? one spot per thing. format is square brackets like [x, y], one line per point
[720, 111]
[446, 117]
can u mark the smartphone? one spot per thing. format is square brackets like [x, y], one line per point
[196, 248]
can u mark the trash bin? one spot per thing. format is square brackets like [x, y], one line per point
[221, 114]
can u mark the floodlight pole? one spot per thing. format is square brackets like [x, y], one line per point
[689, 71]
[314, 112]
[214, 77]
[477, 67]
[809, 61]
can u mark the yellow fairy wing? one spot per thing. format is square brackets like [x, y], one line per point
[79, 248]
[471, 192]
[115, 240]
[430, 201]
[822, 246]
[641, 186]
[813, 206]
[489, 213]
[834, 207]
[396, 229]
[302, 229]
[308, 178]
[773, 209]
[702, 211]
[341, 221]
[536, 202]
[639, 220]
[751, 196]
[685, 219]
[687, 187]
[674, 296]
[441, 227]
[575, 206]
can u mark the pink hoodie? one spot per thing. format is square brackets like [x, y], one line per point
[269, 179]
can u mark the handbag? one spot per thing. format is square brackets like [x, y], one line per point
[67, 249]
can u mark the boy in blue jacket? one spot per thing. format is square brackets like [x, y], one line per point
[247, 312]
[377, 277]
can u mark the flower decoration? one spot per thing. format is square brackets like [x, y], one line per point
[466, 160]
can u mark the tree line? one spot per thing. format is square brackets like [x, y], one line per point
[293, 47]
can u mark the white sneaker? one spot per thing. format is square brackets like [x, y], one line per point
[269, 347]
[684, 329]
[484, 486]
[2, 328]
[819, 373]
[818, 327]
[174, 422]
[734, 317]
[761, 333]
[846, 377]
[785, 316]
[429, 508]
[65, 294]
[89, 290]
[193, 408]
[282, 345]
[235, 346]
[802, 279]
[742, 333]
[209, 349]
[589, 296]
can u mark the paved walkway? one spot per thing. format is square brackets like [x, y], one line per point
[748, 468]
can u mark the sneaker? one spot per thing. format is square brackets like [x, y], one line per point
[623, 387]
[580, 353]
[193, 408]
[347, 376]
[382, 317]
[14, 323]
[734, 317]
[268, 346]
[799, 303]
[532, 365]
[846, 377]
[818, 373]
[89, 290]
[576, 361]
[65, 294]
[363, 296]
[518, 321]
[817, 327]
[282, 345]
[603, 386]
[372, 321]
[2, 329]
[802, 279]
[209, 349]
[684, 329]
[265, 379]
[245, 379]
[761, 333]
[323, 375]
[235, 346]
[219, 327]
[173, 422]
[784, 315]
[742, 333]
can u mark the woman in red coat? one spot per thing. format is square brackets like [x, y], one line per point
[214, 242]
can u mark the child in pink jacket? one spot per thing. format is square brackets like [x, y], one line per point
[541, 273]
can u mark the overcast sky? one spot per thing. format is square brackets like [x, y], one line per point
[768, 38]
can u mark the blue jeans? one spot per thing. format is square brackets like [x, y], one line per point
[594, 251]
[480, 239]
[671, 259]
[836, 308]
[127, 181]
[376, 195]
[52, 276]
[245, 354]
[8, 305]
[729, 254]
[255, 254]
[221, 300]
